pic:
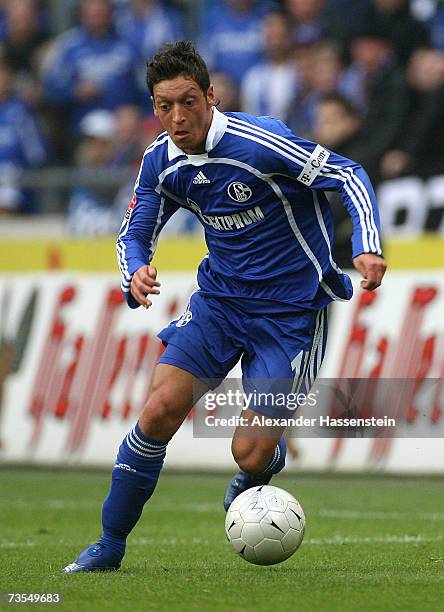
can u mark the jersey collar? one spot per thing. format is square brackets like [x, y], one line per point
[217, 130]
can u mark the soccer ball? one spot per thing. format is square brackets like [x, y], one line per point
[265, 525]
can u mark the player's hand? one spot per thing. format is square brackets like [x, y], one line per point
[372, 267]
[143, 284]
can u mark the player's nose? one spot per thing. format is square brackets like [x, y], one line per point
[178, 116]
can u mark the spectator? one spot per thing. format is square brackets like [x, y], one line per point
[128, 146]
[23, 42]
[300, 118]
[307, 20]
[342, 18]
[269, 87]
[226, 92]
[21, 146]
[338, 126]
[151, 128]
[393, 18]
[90, 208]
[320, 72]
[420, 149]
[232, 39]
[2, 19]
[148, 25]
[436, 28]
[91, 66]
[430, 13]
[380, 90]
[23, 35]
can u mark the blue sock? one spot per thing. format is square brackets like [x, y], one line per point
[134, 478]
[276, 462]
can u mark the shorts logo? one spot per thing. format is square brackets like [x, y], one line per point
[239, 192]
[185, 318]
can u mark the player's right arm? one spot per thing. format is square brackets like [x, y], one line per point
[147, 213]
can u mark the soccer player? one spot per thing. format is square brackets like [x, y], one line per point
[264, 286]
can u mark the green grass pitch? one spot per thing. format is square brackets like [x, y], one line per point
[372, 543]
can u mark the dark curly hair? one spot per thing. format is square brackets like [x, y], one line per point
[177, 59]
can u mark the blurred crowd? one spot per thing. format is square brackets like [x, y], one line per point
[363, 77]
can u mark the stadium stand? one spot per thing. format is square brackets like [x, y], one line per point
[385, 57]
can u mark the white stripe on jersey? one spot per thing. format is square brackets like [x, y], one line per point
[120, 245]
[284, 143]
[364, 199]
[160, 140]
[330, 293]
[270, 143]
[308, 358]
[265, 177]
[300, 157]
[126, 277]
[355, 179]
[367, 222]
[155, 236]
[121, 260]
[364, 229]
[315, 353]
[324, 231]
[299, 372]
[321, 343]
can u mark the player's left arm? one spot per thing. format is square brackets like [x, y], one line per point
[318, 168]
[349, 178]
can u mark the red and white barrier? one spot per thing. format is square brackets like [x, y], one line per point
[83, 365]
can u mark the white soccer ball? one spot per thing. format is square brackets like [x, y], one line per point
[265, 525]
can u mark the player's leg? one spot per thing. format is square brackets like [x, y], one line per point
[138, 465]
[259, 452]
[288, 350]
[253, 445]
[198, 348]
[142, 452]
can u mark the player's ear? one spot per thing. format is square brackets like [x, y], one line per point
[211, 98]
[156, 114]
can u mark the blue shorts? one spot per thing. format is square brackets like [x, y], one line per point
[210, 337]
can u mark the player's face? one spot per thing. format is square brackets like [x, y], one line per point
[185, 112]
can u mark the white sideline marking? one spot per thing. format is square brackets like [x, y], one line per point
[52, 504]
[359, 514]
[383, 539]
[25, 544]
[63, 504]
[170, 541]
[323, 512]
[337, 540]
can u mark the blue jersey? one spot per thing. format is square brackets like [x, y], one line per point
[21, 143]
[258, 191]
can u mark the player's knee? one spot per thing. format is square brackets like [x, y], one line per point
[159, 416]
[250, 459]
[253, 463]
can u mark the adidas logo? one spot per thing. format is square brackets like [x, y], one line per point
[200, 179]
